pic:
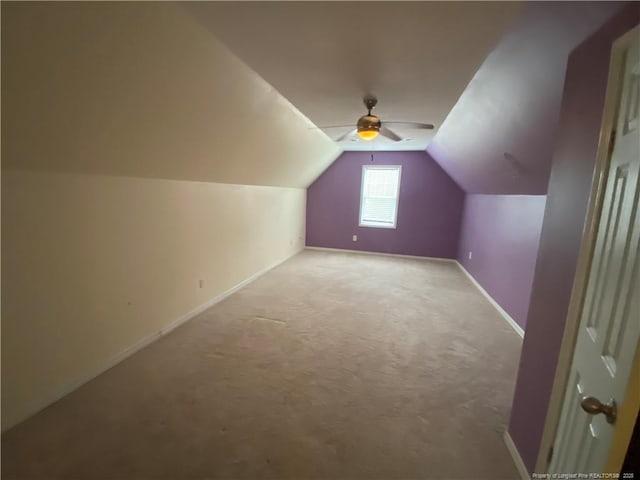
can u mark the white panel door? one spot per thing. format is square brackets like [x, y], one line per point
[610, 319]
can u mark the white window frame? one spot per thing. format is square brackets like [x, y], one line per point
[362, 223]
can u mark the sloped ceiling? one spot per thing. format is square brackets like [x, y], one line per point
[488, 75]
[499, 136]
[416, 57]
[149, 89]
[142, 89]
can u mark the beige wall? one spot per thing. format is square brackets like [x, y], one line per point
[139, 156]
[92, 265]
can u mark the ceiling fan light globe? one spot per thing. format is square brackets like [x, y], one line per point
[367, 134]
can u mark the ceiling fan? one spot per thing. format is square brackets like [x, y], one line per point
[369, 126]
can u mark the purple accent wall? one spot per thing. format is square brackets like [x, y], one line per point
[429, 207]
[503, 233]
[512, 104]
[567, 199]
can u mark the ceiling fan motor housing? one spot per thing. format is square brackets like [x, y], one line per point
[369, 123]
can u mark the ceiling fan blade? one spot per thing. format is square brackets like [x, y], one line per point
[323, 127]
[421, 126]
[385, 132]
[346, 135]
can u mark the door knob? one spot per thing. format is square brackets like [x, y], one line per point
[593, 406]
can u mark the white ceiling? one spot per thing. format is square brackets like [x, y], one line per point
[416, 57]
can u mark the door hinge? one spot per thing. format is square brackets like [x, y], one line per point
[612, 141]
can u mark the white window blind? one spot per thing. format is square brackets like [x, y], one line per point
[379, 196]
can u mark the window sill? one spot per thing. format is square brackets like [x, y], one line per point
[371, 225]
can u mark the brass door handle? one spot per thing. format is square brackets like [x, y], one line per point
[593, 406]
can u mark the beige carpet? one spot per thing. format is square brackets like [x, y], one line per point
[331, 366]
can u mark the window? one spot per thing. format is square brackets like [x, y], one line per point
[379, 196]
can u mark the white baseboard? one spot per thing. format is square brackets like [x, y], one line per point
[495, 304]
[58, 393]
[515, 456]
[218, 298]
[415, 257]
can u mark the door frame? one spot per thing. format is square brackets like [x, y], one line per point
[621, 435]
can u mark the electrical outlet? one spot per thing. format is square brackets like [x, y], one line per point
[355, 238]
[201, 283]
[470, 254]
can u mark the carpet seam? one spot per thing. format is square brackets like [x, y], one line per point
[56, 394]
